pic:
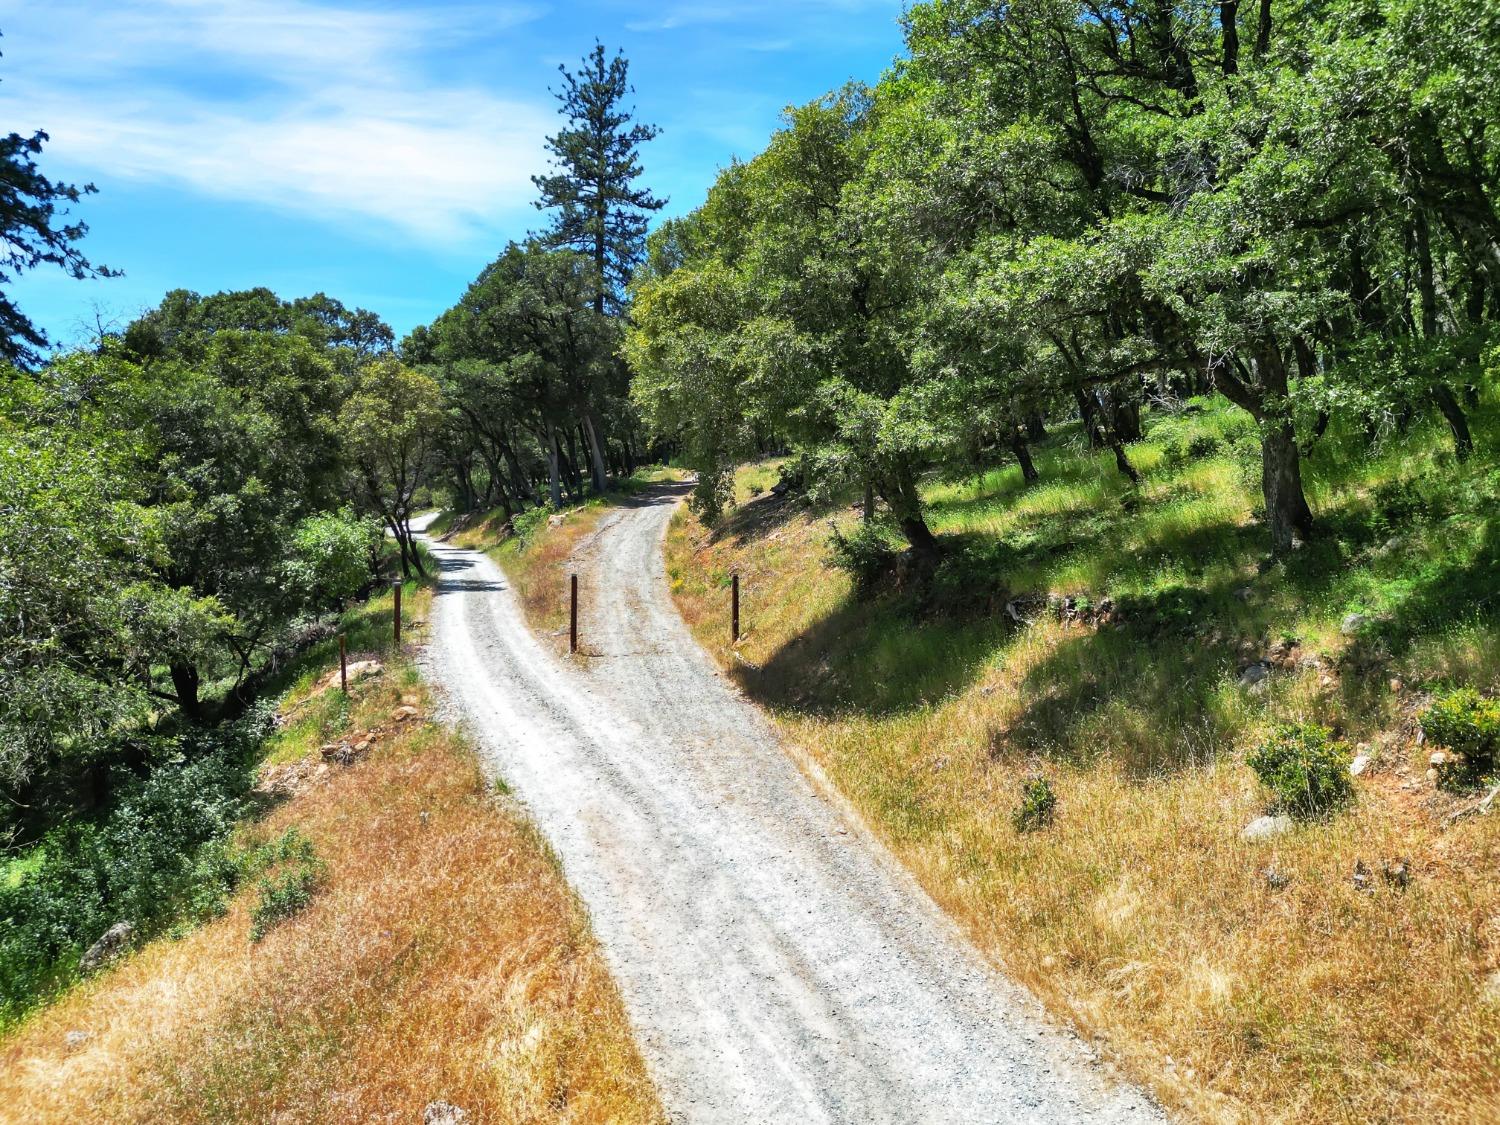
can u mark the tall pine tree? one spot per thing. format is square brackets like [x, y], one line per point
[33, 232]
[596, 160]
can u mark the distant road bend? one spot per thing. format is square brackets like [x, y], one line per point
[776, 964]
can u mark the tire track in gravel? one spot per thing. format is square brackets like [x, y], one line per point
[776, 963]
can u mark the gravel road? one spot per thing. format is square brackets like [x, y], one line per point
[776, 963]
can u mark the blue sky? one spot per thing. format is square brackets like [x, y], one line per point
[378, 151]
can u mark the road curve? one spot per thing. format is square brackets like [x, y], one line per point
[776, 964]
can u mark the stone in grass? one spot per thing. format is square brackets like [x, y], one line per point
[113, 942]
[1359, 765]
[444, 1113]
[1254, 675]
[1353, 623]
[75, 1040]
[1266, 828]
[1490, 990]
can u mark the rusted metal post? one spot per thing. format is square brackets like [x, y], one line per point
[343, 664]
[573, 615]
[396, 611]
[734, 610]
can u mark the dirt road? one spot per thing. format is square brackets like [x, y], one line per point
[777, 966]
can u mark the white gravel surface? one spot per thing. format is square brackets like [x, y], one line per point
[777, 965]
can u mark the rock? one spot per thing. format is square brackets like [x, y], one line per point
[1253, 675]
[1437, 759]
[1362, 881]
[1325, 681]
[1359, 765]
[1490, 990]
[1266, 828]
[1432, 775]
[445, 1113]
[113, 942]
[362, 669]
[1397, 873]
[1244, 593]
[404, 714]
[344, 754]
[1396, 686]
[73, 1040]
[555, 520]
[1352, 624]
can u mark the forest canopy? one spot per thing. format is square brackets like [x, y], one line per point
[1052, 206]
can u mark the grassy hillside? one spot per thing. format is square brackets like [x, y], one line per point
[1306, 977]
[421, 944]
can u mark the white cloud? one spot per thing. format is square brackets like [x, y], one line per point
[300, 105]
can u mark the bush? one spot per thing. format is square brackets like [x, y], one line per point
[1037, 807]
[159, 855]
[1203, 445]
[1468, 724]
[287, 890]
[1305, 768]
[866, 554]
[525, 526]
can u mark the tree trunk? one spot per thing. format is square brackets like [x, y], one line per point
[1036, 426]
[554, 477]
[1087, 411]
[1023, 458]
[906, 506]
[869, 505]
[1287, 512]
[1453, 413]
[596, 452]
[185, 683]
[1121, 414]
[1122, 462]
[570, 465]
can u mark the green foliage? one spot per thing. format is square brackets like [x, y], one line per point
[158, 855]
[1037, 807]
[1468, 724]
[330, 556]
[35, 229]
[293, 870]
[866, 553]
[526, 525]
[599, 209]
[1305, 768]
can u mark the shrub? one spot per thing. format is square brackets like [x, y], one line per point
[286, 889]
[525, 526]
[1468, 724]
[1203, 445]
[159, 855]
[1037, 807]
[1305, 768]
[866, 554]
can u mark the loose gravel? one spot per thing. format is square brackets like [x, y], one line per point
[778, 966]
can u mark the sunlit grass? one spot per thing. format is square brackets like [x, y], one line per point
[441, 956]
[1140, 915]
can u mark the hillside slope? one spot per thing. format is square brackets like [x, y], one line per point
[439, 956]
[1129, 645]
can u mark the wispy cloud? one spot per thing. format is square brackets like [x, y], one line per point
[306, 106]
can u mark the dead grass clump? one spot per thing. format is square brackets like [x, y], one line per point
[441, 956]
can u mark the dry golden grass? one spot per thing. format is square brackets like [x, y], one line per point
[1140, 916]
[442, 956]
